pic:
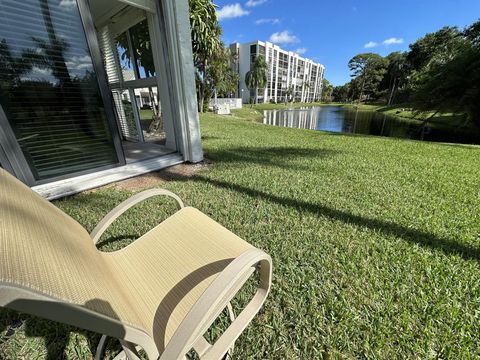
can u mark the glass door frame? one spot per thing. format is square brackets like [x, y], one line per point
[169, 28]
[138, 82]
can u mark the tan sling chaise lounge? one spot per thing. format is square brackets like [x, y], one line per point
[162, 292]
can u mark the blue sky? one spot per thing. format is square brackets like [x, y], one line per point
[332, 32]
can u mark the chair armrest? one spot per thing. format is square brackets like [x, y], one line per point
[127, 204]
[212, 302]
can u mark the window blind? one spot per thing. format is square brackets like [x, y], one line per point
[49, 90]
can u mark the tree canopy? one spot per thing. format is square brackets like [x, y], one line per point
[369, 68]
[454, 84]
[439, 72]
[327, 90]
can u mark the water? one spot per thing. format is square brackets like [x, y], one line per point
[341, 120]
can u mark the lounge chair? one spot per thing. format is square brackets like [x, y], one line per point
[160, 293]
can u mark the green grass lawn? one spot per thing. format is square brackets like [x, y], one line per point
[375, 243]
[145, 118]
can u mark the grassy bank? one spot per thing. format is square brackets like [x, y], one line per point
[406, 112]
[375, 243]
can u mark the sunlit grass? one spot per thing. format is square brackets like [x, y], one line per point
[375, 242]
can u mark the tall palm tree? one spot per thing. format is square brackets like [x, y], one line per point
[257, 77]
[307, 87]
[206, 41]
[289, 94]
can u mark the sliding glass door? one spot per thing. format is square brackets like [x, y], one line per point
[50, 99]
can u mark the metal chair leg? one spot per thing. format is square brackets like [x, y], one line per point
[101, 348]
[231, 313]
[130, 350]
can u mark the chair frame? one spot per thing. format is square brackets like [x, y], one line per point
[190, 332]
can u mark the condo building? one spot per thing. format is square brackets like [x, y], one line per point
[286, 71]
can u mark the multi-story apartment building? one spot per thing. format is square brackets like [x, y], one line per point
[286, 69]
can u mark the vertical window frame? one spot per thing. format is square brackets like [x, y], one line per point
[101, 76]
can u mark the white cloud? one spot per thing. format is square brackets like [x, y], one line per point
[392, 41]
[386, 42]
[231, 11]
[253, 3]
[301, 51]
[68, 4]
[370, 44]
[39, 74]
[267, 21]
[79, 63]
[283, 37]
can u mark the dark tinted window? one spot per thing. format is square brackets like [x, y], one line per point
[48, 88]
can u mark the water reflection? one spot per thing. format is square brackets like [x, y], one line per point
[295, 118]
[341, 120]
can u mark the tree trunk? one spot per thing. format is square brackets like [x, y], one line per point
[391, 93]
[201, 85]
[156, 123]
[152, 101]
[361, 90]
[201, 99]
[200, 96]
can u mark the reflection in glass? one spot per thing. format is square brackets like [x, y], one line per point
[48, 88]
[135, 52]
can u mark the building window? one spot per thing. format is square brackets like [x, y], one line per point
[261, 50]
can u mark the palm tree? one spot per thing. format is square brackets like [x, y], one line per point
[306, 86]
[206, 42]
[327, 90]
[257, 77]
[289, 94]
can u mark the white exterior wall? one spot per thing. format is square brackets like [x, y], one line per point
[307, 80]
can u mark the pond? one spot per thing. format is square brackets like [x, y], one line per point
[338, 119]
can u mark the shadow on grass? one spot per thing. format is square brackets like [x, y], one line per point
[209, 137]
[55, 335]
[422, 238]
[282, 157]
